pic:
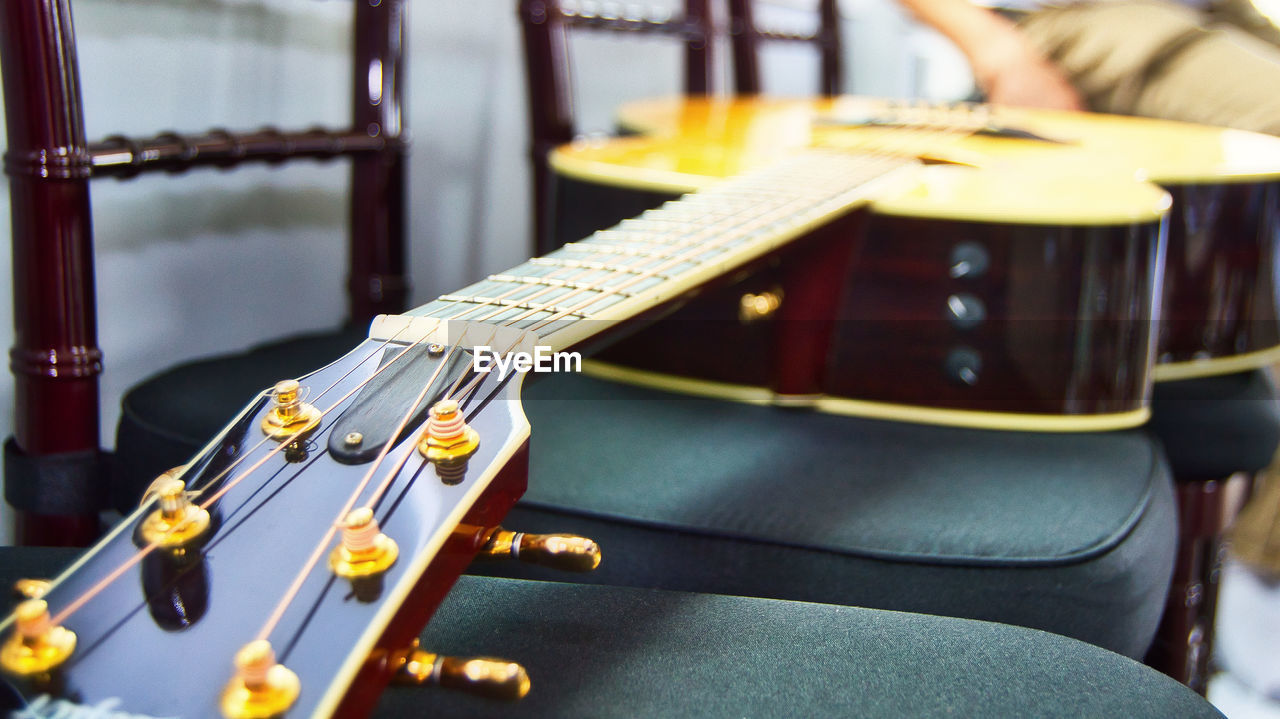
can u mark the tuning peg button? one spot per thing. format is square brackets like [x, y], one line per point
[566, 552]
[483, 676]
[31, 588]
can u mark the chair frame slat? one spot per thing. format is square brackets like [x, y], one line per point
[56, 360]
[124, 157]
[544, 25]
[746, 36]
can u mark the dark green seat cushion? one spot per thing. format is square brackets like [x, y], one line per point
[167, 418]
[1073, 534]
[622, 652]
[1069, 533]
[1213, 427]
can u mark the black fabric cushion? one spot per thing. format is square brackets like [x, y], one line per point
[621, 652]
[167, 418]
[1213, 427]
[1072, 533]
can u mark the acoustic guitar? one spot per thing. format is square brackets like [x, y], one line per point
[951, 292]
[288, 567]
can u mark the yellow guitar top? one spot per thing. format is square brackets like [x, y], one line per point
[1070, 168]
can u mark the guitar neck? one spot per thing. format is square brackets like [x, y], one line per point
[584, 288]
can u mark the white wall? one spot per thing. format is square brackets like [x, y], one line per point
[191, 265]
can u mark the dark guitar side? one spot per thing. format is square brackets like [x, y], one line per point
[1063, 325]
[1221, 293]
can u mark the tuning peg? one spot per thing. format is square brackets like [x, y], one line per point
[483, 676]
[36, 645]
[566, 552]
[31, 588]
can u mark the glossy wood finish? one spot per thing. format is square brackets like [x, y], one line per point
[865, 316]
[264, 529]
[1183, 643]
[1220, 299]
[377, 282]
[1221, 292]
[122, 157]
[55, 359]
[1066, 329]
[544, 24]
[746, 37]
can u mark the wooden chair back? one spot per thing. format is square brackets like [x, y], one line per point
[56, 473]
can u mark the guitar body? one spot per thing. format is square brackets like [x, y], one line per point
[1057, 334]
[1221, 297]
[1057, 316]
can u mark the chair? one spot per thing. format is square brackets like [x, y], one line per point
[544, 24]
[56, 475]
[617, 652]
[746, 37]
[1071, 533]
[1215, 429]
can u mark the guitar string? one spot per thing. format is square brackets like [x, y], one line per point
[278, 613]
[296, 587]
[629, 269]
[626, 270]
[454, 394]
[266, 393]
[882, 151]
[647, 274]
[80, 601]
[286, 601]
[86, 596]
[599, 285]
[291, 594]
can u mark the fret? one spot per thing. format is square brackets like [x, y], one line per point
[646, 257]
[549, 281]
[587, 264]
[608, 249]
[511, 304]
[622, 270]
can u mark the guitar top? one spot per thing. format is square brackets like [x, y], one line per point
[723, 137]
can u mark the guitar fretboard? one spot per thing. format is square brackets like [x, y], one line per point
[585, 287]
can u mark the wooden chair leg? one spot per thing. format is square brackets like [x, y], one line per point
[1184, 641]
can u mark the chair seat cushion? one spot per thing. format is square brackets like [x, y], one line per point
[623, 652]
[1071, 533]
[1213, 427]
[596, 651]
[168, 417]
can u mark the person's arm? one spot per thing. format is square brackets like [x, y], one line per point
[1007, 68]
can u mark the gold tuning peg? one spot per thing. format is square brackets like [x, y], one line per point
[483, 676]
[567, 552]
[31, 588]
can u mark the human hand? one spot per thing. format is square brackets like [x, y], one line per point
[1012, 72]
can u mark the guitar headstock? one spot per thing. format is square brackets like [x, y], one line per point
[265, 535]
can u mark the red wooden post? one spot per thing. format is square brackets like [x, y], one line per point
[831, 47]
[742, 33]
[377, 281]
[55, 358]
